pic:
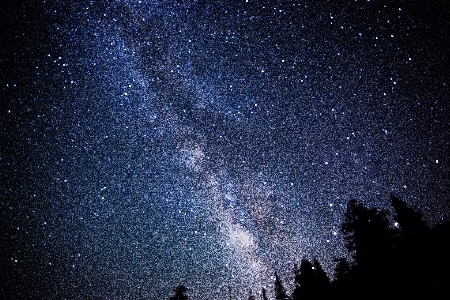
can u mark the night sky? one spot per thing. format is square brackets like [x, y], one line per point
[145, 144]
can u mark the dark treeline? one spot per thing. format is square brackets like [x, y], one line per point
[408, 260]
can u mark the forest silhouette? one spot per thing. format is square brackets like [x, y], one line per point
[406, 260]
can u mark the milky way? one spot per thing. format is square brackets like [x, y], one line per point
[149, 143]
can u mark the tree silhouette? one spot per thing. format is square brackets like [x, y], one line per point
[412, 244]
[409, 221]
[280, 291]
[404, 260]
[366, 232]
[303, 281]
[180, 293]
[311, 281]
[264, 295]
[369, 240]
[342, 275]
[439, 272]
[342, 268]
[322, 282]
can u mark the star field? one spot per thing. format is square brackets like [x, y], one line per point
[150, 143]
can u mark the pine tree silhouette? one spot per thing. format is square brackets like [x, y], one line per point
[412, 244]
[409, 221]
[311, 281]
[180, 293]
[342, 276]
[322, 283]
[280, 291]
[303, 281]
[406, 260]
[369, 240]
[440, 272]
[366, 232]
[264, 295]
